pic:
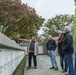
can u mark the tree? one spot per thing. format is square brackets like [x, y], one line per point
[56, 24]
[18, 20]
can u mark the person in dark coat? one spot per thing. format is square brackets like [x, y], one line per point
[68, 50]
[60, 52]
[51, 47]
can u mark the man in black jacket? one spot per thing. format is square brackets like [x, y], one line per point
[68, 49]
[51, 47]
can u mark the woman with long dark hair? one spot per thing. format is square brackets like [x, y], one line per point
[61, 54]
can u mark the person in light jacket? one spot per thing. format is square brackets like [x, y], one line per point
[32, 52]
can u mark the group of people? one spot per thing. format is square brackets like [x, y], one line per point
[65, 50]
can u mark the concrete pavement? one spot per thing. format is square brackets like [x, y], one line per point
[43, 67]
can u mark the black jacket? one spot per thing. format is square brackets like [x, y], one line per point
[67, 45]
[60, 52]
[51, 45]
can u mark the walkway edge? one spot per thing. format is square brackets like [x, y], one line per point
[26, 65]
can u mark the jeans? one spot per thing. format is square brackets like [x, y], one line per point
[53, 58]
[75, 63]
[34, 59]
[62, 61]
[69, 59]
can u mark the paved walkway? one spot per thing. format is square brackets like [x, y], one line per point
[43, 67]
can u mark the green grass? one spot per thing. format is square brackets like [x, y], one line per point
[21, 67]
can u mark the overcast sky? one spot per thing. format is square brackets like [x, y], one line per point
[49, 8]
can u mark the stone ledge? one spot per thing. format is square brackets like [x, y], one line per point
[7, 42]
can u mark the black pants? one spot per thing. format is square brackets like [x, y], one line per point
[62, 61]
[34, 59]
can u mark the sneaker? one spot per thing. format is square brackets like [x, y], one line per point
[66, 74]
[28, 68]
[56, 68]
[35, 67]
[64, 71]
[52, 68]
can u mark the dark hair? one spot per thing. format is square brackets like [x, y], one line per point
[61, 34]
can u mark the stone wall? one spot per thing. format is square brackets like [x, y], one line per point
[11, 55]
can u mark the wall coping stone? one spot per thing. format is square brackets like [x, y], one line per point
[7, 42]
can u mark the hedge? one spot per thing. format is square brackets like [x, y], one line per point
[21, 67]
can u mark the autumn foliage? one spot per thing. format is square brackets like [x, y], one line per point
[18, 20]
